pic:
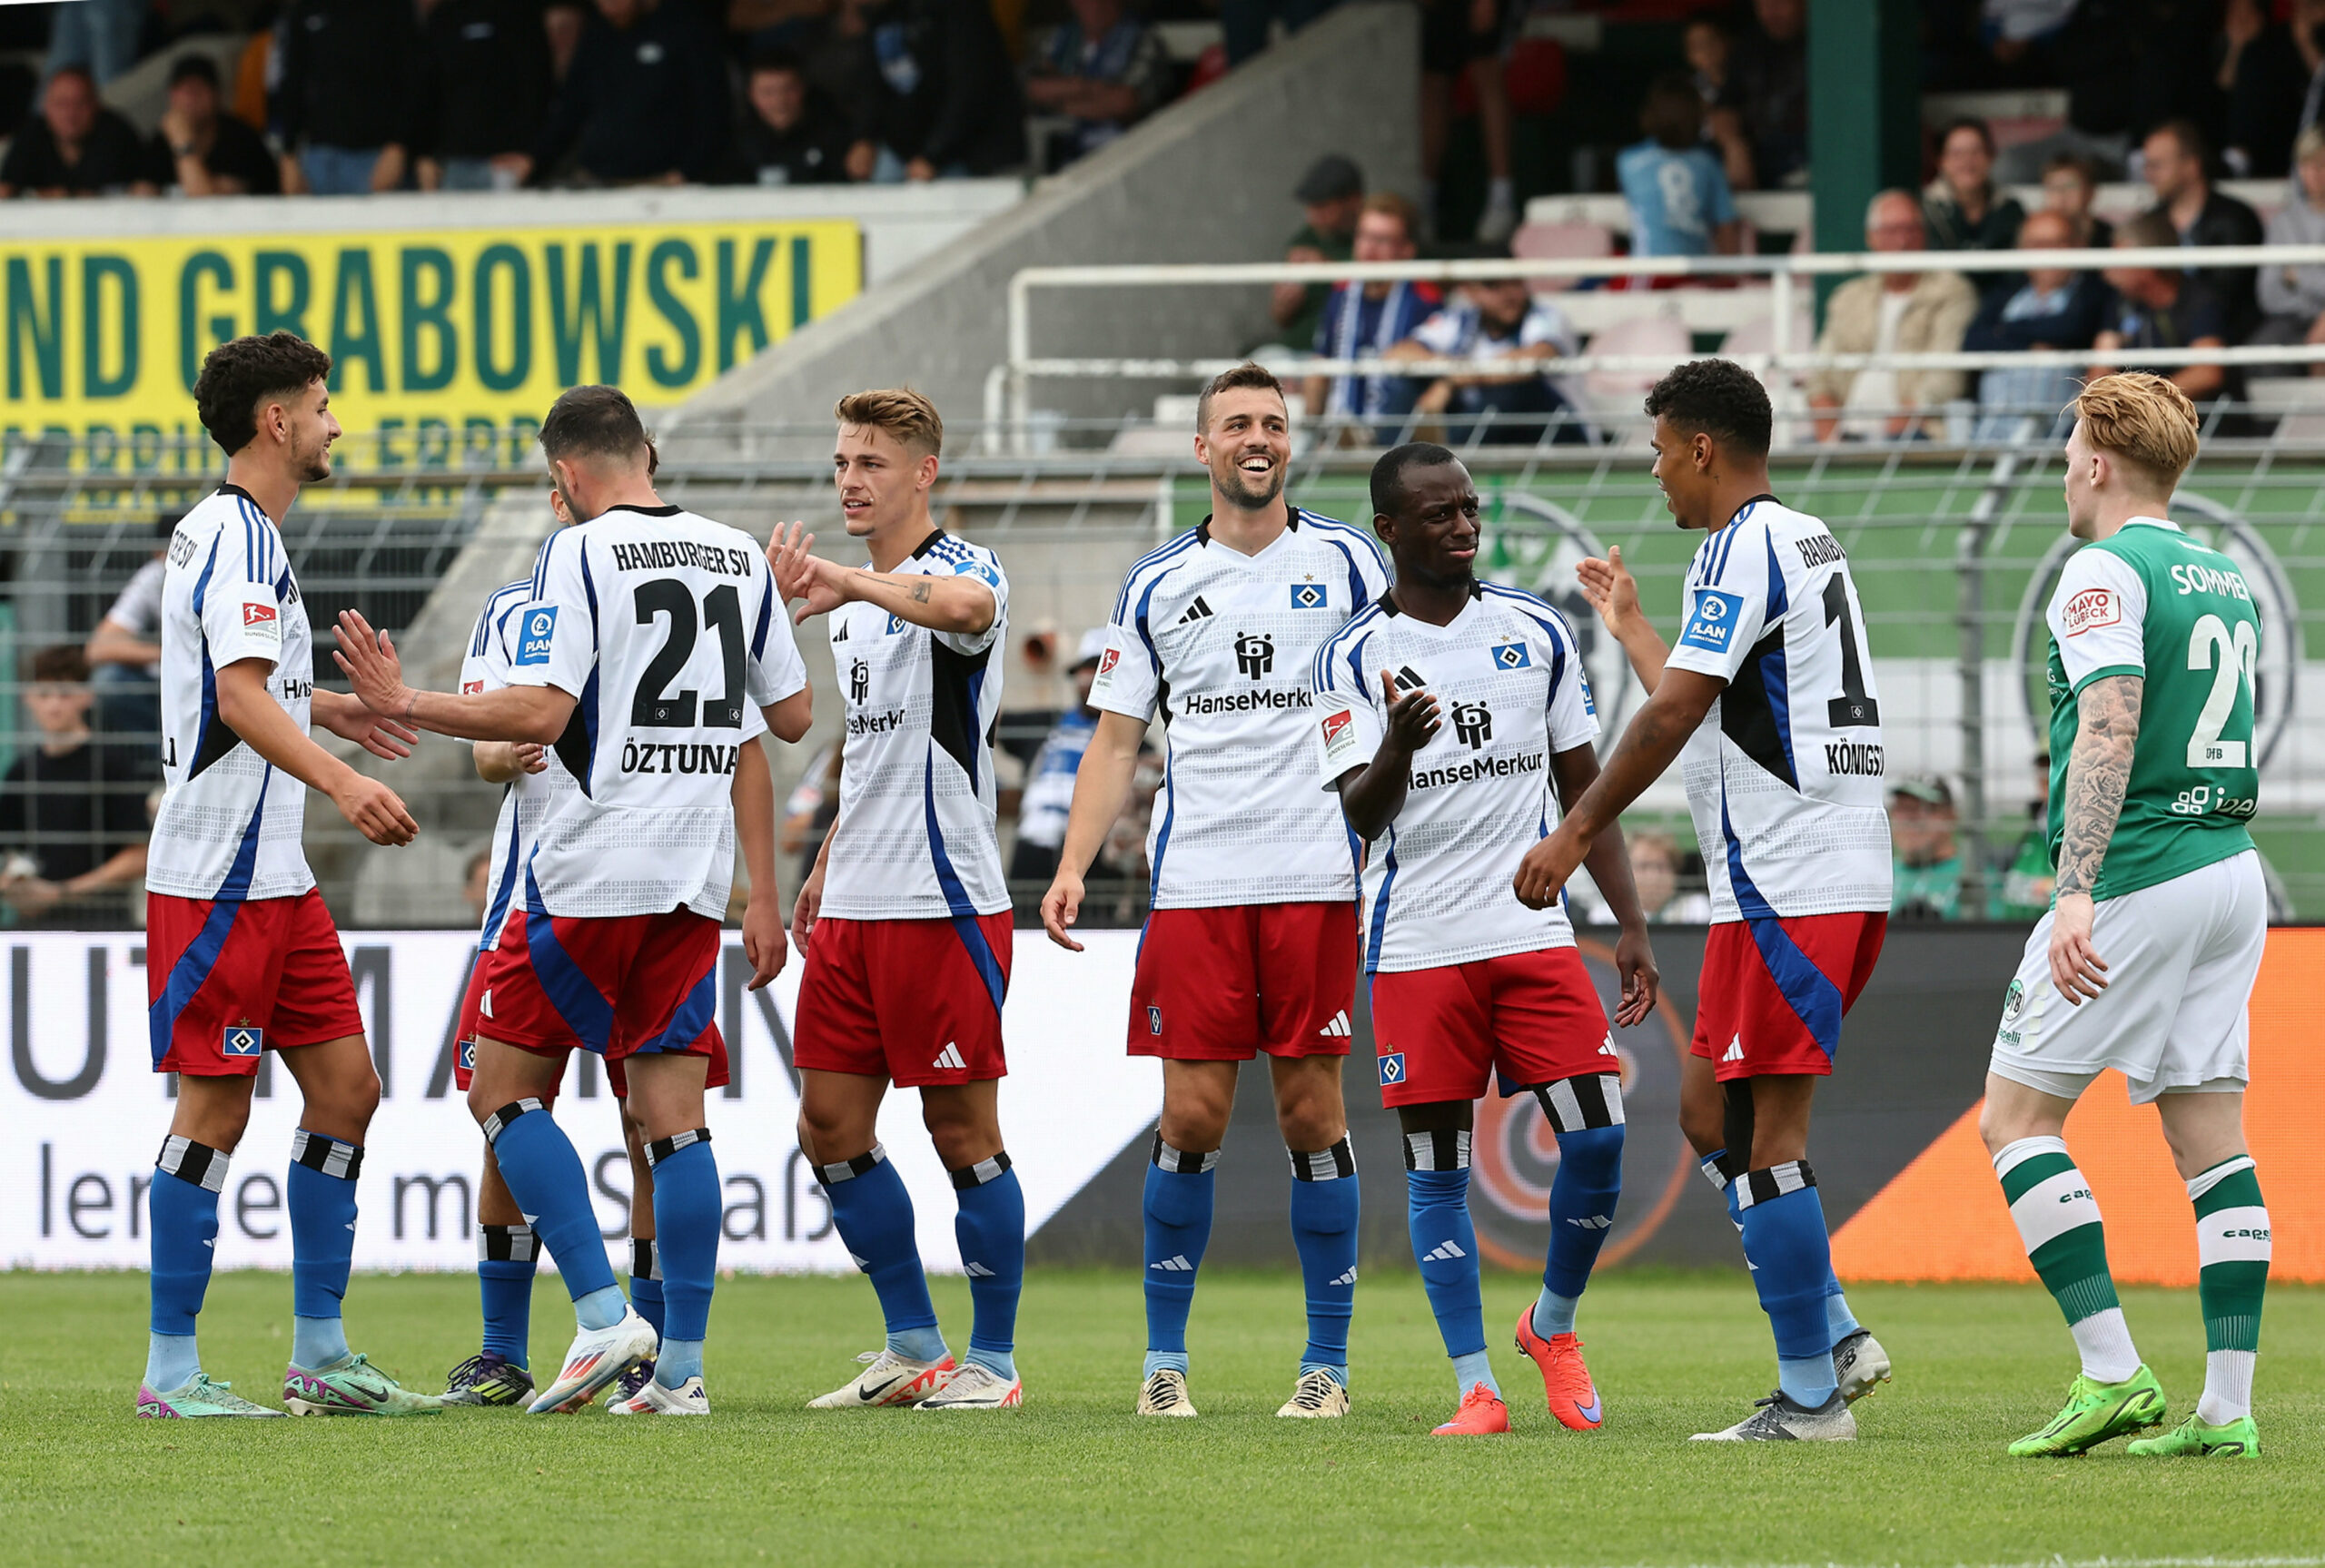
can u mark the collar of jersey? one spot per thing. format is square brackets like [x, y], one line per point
[664, 510]
[2153, 523]
[1291, 512]
[1389, 605]
[1748, 506]
[928, 544]
[233, 489]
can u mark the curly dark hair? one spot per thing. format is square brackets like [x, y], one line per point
[239, 375]
[1719, 398]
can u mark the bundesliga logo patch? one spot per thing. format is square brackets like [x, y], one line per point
[1339, 733]
[2092, 607]
[1392, 1068]
[243, 1039]
[471, 688]
[262, 621]
[540, 633]
[1512, 656]
[1309, 597]
[1714, 622]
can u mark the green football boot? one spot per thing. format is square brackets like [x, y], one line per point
[2195, 1439]
[201, 1397]
[2096, 1412]
[351, 1385]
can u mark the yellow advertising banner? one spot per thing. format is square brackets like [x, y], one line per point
[438, 338]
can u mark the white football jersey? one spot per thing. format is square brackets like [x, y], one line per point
[527, 797]
[1511, 693]
[914, 838]
[1785, 776]
[1221, 644]
[666, 629]
[230, 823]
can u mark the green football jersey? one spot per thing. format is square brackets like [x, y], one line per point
[2154, 602]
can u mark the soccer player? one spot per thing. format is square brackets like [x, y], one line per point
[652, 652]
[2146, 959]
[904, 919]
[1465, 981]
[244, 957]
[1769, 693]
[1251, 943]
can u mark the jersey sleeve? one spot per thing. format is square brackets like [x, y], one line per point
[241, 617]
[985, 568]
[1726, 606]
[775, 670]
[1350, 723]
[139, 607]
[1442, 333]
[481, 671]
[1574, 714]
[2099, 615]
[1130, 672]
[552, 639]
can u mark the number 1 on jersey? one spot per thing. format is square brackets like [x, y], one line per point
[656, 706]
[1854, 706]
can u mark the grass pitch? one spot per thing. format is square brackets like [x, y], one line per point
[1075, 1478]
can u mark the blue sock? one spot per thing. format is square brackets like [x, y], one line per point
[1784, 1228]
[688, 1208]
[678, 1360]
[507, 1258]
[1324, 1209]
[1839, 1321]
[1712, 1164]
[320, 1196]
[991, 1229]
[544, 1176]
[1583, 1194]
[873, 1213]
[182, 1212]
[646, 1281]
[1445, 1245]
[1177, 1207]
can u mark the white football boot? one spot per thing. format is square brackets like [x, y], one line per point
[1317, 1395]
[975, 1387]
[889, 1378]
[598, 1357]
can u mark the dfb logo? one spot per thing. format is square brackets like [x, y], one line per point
[859, 681]
[1472, 723]
[1255, 653]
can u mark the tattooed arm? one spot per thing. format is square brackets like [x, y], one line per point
[2098, 772]
[961, 603]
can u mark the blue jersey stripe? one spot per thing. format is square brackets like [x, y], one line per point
[1177, 546]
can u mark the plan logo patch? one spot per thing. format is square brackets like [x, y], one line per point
[1713, 626]
[537, 634]
[2089, 608]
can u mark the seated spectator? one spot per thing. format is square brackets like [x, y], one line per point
[200, 148]
[2292, 299]
[2263, 78]
[485, 64]
[2176, 166]
[2163, 309]
[1365, 320]
[1656, 861]
[1329, 195]
[344, 106]
[1767, 92]
[2069, 188]
[1926, 877]
[1679, 195]
[1890, 313]
[944, 97]
[124, 657]
[2046, 308]
[562, 23]
[790, 136]
[1104, 70]
[72, 814]
[1960, 208]
[74, 147]
[1498, 320]
[644, 102]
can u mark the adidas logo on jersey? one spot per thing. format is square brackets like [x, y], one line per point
[1735, 1051]
[949, 1059]
[1444, 1252]
[1176, 1264]
[1592, 1222]
[1339, 1028]
[1195, 611]
[1347, 1278]
[1410, 679]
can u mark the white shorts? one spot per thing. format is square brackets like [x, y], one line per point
[2181, 957]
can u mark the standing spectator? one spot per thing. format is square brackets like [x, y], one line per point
[1465, 38]
[1679, 195]
[99, 36]
[2292, 298]
[1244, 24]
[1499, 319]
[200, 148]
[1960, 208]
[2176, 165]
[790, 136]
[344, 106]
[72, 814]
[2163, 309]
[1926, 878]
[74, 147]
[2263, 79]
[124, 657]
[486, 66]
[1104, 69]
[1703, 43]
[1890, 313]
[1365, 320]
[562, 23]
[946, 101]
[2069, 188]
[1329, 195]
[1767, 91]
[2046, 308]
[644, 102]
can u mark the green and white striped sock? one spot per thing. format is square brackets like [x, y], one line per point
[2232, 1254]
[2058, 1221]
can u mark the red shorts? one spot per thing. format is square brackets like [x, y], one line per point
[464, 1054]
[225, 981]
[618, 985]
[1224, 984]
[1535, 1016]
[914, 1001]
[1773, 991]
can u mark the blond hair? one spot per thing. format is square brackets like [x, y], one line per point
[903, 413]
[2142, 420]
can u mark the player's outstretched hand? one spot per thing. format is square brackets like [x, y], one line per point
[2076, 968]
[382, 737]
[1634, 962]
[532, 757]
[1061, 907]
[821, 584]
[374, 810]
[1412, 718]
[763, 943]
[369, 660]
[1546, 869]
[1611, 590]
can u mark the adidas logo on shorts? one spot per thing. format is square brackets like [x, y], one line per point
[1444, 1252]
[1339, 1028]
[1735, 1049]
[949, 1059]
